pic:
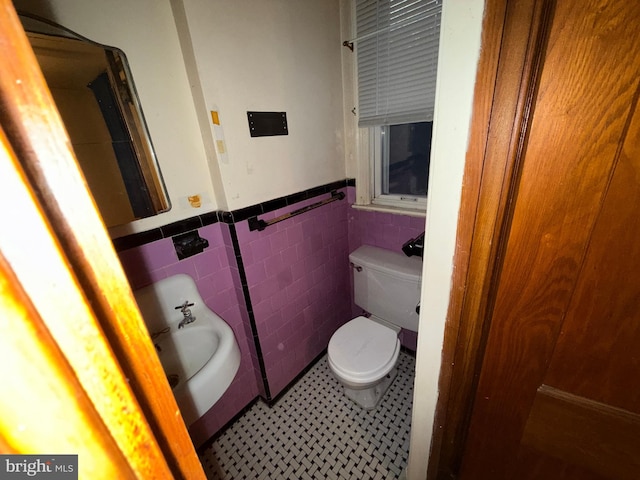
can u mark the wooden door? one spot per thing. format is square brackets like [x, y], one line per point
[558, 395]
[79, 372]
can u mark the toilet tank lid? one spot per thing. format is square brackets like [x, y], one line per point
[393, 263]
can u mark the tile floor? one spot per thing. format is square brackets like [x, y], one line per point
[315, 432]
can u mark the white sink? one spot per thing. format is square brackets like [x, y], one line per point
[201, 358]
[185, 352]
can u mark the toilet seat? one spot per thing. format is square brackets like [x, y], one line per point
[363, 351]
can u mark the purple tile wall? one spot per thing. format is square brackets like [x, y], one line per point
[384, 230]
[217, 277]
[299, 283]
[298, 277]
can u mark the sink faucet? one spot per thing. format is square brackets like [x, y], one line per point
[187, 315]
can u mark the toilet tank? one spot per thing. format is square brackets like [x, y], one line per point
[387, 285]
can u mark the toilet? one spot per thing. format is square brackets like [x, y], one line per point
[363, 353]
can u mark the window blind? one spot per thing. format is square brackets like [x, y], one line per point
[397, 56]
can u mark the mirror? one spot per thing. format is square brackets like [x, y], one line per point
[95, 95]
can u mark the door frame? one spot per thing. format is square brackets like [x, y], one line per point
[513, 44]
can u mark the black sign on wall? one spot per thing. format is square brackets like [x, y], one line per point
[267, 124]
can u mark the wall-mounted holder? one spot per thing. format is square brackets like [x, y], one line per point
[189, 244]
[414, 246]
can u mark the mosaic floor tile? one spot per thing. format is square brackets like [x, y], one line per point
[315, 432]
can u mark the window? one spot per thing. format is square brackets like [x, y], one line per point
[401, 162]
[397, 54]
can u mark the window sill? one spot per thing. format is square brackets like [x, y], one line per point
[410, 212]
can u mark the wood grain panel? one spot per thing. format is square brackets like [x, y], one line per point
[534, 466]
[581, 432]
[571, 148]
[43, 406]
[586, 362]
[40, 392]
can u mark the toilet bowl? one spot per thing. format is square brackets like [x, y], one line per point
[363, 353]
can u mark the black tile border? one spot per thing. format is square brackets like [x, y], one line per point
[182, 226]
[289, 200]
[166, 231]
[249, 308]
[244, 213]
[235, 216]
[274, 204]
[137, 239]
[209, 218]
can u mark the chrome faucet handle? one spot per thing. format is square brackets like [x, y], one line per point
[184, 308]
[186, 313]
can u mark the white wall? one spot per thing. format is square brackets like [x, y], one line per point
[272, 55]
[263, 55]
[145, 30]
[457, 63]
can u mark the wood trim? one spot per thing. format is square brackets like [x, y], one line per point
[583, 432]
[37, 135]
[448, 409]
[513, 42]
[67, 390]
[39, 371]
[68, 319]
